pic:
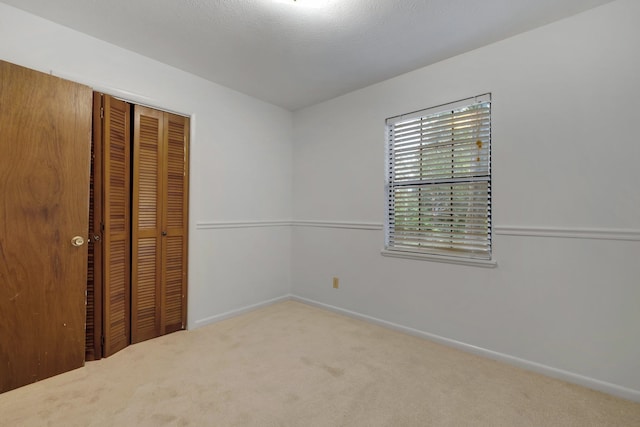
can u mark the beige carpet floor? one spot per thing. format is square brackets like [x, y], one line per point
[291, 364]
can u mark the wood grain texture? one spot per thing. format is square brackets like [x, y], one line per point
[45, 126]
[175, 215]
[116, 210]
[160, 207]
[146, 295]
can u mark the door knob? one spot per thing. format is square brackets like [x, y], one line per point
[77, 241]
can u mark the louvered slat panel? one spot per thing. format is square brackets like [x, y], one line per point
[175, 220]
[149, 135]
[173, 270]
[148, 172]
[117, 294]
[147, 286]
[116, 235]
[175, 174]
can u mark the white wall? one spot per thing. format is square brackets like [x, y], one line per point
[240, 170]
[564, 298]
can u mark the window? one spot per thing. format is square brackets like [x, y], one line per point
[439, 182]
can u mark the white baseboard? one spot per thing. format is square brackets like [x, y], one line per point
[233, 313]
[613, 389]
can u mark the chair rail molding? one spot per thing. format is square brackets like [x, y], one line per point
[569, 233]
[213, 225]
[504, 230]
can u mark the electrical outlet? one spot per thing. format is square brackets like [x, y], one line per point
[336, 283]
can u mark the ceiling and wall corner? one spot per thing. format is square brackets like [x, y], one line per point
[298, 53]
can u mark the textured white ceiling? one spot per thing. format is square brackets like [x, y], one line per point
[297, 53]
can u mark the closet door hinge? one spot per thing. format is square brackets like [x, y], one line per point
[102, 112]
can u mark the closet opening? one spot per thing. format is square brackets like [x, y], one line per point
[137, 264]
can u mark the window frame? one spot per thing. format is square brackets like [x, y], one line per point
[438, 250]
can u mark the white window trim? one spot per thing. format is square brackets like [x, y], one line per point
[394, 253]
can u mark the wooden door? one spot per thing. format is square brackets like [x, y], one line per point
[174, 224]
[159, 223]
[114, 217]
[45, 128]
[148, 158]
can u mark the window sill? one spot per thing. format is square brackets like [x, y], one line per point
[487, 263]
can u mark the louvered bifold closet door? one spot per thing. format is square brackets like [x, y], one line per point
[174, 223]
[149, 134]
[116, 208]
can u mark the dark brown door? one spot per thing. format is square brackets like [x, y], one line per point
[174, 223]
[116, 242]
[45, 128]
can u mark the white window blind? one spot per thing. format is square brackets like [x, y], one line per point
[439, 180]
